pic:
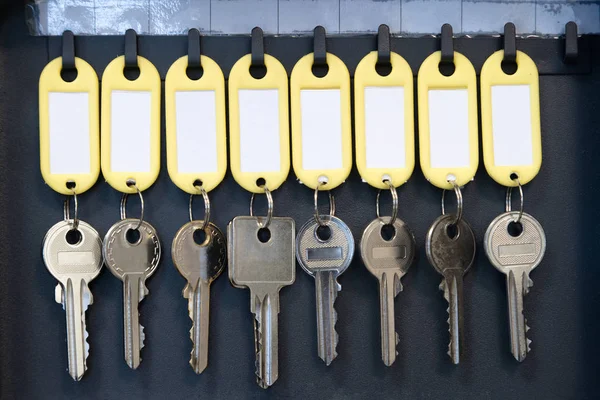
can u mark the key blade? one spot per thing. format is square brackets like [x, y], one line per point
[452, 285]
[327, 289]
[518, 284]
[76, 300]
[134, 291]
[266, 310]
[199, 308]
[389, 287]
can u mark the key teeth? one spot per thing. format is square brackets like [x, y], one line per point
[258, 343]
[397, 285]
[142, 337]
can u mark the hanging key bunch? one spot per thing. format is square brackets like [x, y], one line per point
[70, 165]
[195, 85]
[514, 242]
[130, 164]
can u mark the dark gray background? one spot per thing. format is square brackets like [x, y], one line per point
[562, 307]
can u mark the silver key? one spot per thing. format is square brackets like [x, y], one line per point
[325, 260]
[388, 261]
[133, 263]
[74, 266]
[452, 257]
[200, 264]
[516, 256]
[264, 268]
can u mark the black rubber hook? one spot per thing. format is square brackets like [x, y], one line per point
[571, 46]
[510, 43]
[132, 69]
[447, 45]
[383, 66]
[194, 50]
[68, 71]
[320, 67]
[258, 68]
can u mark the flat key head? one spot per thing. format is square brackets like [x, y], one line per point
[449, 248]
[69, 254]
[327, 251]
[140, 257]
[380, 255]
[525, 249]
[253, 262]
[199, 261]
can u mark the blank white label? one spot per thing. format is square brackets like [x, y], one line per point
[131, 118]
[384, 127]
[69, 130]
[259, 130]
[196, 125]
[449, 128]
[511, 125]
[321, 129]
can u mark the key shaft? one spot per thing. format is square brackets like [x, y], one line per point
[265, 307]
[389, 287]
[517, 285]
[452, 286]
[326, 290]
[134, 291]
[199, 308]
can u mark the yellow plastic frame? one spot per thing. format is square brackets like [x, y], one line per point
[177, 81]
[86, 81]
[275, 78]
[337, 77]
[149, 81]
[430, 77]
[492, 75]
[366, 76]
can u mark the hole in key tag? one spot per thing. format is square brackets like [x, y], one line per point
[448, 132]
[130, 125]
[69, 127]
[195, 125]
[259, 139]
[321, 124]
[384, 121]
[510, 120]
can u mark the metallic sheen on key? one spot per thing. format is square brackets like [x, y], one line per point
[200, 264]
[263, 266]
[452, 257]
[132, 263]
[388, 261]
[325, 258]
[516, 253]
[74, 266]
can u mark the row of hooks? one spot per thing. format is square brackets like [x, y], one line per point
[320, 47]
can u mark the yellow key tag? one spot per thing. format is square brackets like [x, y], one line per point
[130, 126]
[448, 133]
[196, 126]
[259, 125]
[321, 124]
[384, 118]
[69, 128]
[510, 120]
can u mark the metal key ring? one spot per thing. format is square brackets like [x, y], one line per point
[394, 203]
[318, 218]
[509, 199]
[459, 202]
[206, 206]
[263, 223]
[123, 209]
[67, 210]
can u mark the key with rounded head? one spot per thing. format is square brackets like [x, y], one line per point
[450, 248]
[388, 259]
[132, 252]
[515, 249]
[74, 258]
[262, 260]
[325, 252]
[200, 263]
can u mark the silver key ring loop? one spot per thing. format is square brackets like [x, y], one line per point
[67, 210]
[509, 199]
[318, 218]
[263, 223]
[123, 208]
[459, 202]
[206, 206]
[394, 203]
